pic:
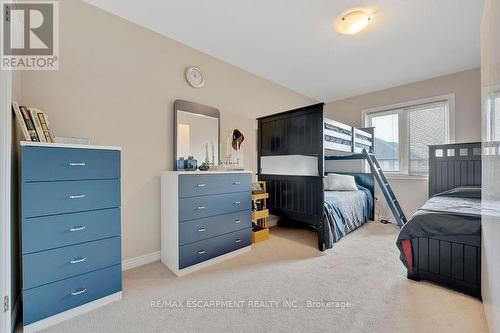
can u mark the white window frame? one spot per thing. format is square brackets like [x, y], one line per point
[403, 127]
[490, 114]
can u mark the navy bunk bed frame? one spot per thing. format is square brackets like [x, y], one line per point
[305, 131]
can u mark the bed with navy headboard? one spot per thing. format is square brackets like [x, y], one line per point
[442, 240]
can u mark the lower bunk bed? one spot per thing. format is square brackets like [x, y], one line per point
[332, 213]
[346, 210]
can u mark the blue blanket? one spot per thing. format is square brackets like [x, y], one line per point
[346, 211]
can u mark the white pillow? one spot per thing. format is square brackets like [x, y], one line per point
[336, 182]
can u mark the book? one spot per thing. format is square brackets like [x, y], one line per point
[36, 121]
[20, 119]
[44, 124]
[29, 123]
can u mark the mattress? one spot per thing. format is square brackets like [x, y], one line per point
[441, 216]
[345, 211]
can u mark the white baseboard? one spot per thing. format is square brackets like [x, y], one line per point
[60, 317]
[141, 260]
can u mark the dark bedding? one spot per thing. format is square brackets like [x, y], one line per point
[346, 211]
[453, 213]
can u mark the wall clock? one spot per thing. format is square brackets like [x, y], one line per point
[194, 77]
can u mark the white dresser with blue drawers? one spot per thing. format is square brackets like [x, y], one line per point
[205, 217]
[71, 233]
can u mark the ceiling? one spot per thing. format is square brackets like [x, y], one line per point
[294, 42]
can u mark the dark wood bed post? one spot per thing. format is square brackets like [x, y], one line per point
[295, 132]
[322, 230]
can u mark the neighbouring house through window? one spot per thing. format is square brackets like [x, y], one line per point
[404, 132]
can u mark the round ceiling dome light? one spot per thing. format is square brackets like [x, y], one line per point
[353, 22]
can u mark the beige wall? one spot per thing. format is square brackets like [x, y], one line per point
[466, 86]
[490, 79]
[116, 85]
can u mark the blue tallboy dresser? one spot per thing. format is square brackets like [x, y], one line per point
[206, 216]
[71, 233]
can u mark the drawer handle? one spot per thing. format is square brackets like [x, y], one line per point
[237, 221]
[77, 164]
[236, 183]
[77, 228]
[201, 230]
[200, 207]
[202, 252]
[78, 260]
[236, 202]
[201, 185]
[79, 196]
[79, 292]
[238, 240]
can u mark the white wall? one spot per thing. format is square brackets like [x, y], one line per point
[5, 116]
[116, 85]
[413, 192]
[14, 211]
[490, 79]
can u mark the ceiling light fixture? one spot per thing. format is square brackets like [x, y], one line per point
[353, 22]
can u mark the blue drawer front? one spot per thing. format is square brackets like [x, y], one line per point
[200, 207]
[45, 301]
[195, 253]
[49, 232]
[46, 198]
[198, 185]
[196, 230]
[48, 266]
[50, 164]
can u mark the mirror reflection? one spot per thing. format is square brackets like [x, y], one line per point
[197, 136]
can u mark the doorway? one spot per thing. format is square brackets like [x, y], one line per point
[5, 205]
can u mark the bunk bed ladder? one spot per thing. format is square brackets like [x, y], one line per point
[386, 188]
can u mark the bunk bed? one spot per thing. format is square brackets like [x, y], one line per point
[306, 132]
[442, 241]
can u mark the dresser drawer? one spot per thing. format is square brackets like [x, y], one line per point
[197, 252]
[47, 300]
[46, 198]
[50, 164]
[196, 230]
[52, 265]
[197, 185]
[200, 207]
[49, 232]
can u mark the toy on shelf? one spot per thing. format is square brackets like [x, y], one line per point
[260, 212]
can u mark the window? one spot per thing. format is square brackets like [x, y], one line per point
[427, 126]
[404, 132]
[387, 140]
[493, 116]
[497, 117]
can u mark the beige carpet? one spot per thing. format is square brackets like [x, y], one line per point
[362, 270]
